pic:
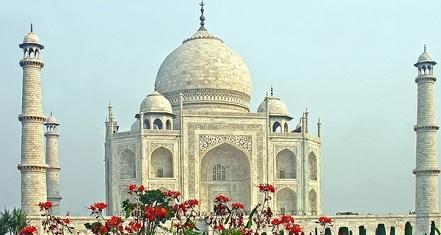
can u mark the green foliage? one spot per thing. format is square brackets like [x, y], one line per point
[153, 196]
[392, 231]
[361, 230]
[433, 229]
[231, 232]
[12, 222]
[381, 230]
[408, 229]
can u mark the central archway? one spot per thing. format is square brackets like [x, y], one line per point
[225, 170]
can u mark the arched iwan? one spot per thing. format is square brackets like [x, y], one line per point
[161, 163]
[127, 167]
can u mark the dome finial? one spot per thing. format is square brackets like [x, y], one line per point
[272, 90]
[424, 47]
[202, 17]
[32, 28]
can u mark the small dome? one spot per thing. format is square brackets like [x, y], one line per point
[51, 120]
[135, 126]
[275, 106]
[31, 37]
[156, 103]
[425, 57]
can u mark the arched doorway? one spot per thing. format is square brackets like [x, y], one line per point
[312, 199]
[161, 163]
[127, 168]
[286, 201]
[286, 165]
[225, 170]
[312, 166]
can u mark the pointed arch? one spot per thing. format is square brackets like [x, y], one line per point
[312, 200]
[168, 124]
[225, 169]
[277, 127]
[161, 163]
[312, 166]
[286, 201]
[286, 165]
[285, 127]
[127, 167]
[157, 124]
[146, 124]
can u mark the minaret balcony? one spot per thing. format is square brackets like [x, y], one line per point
[425, 78]
[31, 62]
[425, 128]
[426, 172]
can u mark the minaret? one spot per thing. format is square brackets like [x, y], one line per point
[111, 128]
[33, 163]
[53, 170]
[426, 171]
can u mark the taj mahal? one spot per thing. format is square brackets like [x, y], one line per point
[195, 132]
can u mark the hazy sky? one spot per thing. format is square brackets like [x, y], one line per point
[349, 62]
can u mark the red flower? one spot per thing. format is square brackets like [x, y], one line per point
[296, 229]
[266, 188]
[28, 230]
[45, 205]
[221, 198]
[219, 228]
[287, 219]
[113, 222]
[104, 230]
[141, 188]
[149, 213]
[66, 221]
[132, 187]
[97, 207]
[133, 227]
[325, 220]
[161, 212]
[276, 221]
[172, 194]
[237, 205]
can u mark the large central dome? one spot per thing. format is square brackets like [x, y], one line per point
[210, 75]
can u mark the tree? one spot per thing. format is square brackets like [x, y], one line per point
[392, 230]
[433, 229]
[13, 222]
[408, 229]
[381, 230]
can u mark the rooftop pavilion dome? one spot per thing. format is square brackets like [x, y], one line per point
[156, 103]
[425, 57]
[31, 38]
[209, 74]
[276, 107]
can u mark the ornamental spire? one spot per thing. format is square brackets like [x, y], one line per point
[272, 90]
[424, 47]
[202, 17]
[32, 28]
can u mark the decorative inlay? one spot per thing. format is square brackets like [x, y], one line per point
[429, 127]
[279, 148]
[241, 141]
[155, 146]
[425, 78]
[426, 172]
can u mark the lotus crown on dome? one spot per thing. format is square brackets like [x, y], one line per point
[157, 103]
[275, 106]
